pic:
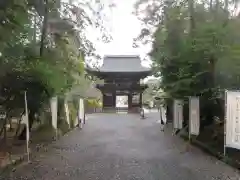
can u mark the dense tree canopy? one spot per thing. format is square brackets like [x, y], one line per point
[195, 48]
[43, 47]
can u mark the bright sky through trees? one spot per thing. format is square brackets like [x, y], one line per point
[123, 26]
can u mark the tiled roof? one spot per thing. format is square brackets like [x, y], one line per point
[122, 63]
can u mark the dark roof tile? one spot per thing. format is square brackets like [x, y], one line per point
[122, 63]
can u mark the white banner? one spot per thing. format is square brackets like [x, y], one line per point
[53, 105]
[194, 115]
[232, 119]
[26, 120]
[67, 112]
[177, 114]
[81, 111]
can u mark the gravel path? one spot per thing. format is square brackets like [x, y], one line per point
[123, 147]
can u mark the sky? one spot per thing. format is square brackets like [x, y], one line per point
[123, 26]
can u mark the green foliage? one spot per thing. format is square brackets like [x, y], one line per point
[151, 91]
[55, 71]
[93, 103]
[195, 48]
[43, 46]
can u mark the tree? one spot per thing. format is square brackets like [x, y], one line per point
[43, 47]
[193, 45]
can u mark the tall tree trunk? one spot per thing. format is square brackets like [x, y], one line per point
[191, 16]
[226, 12]
[33, 110]
[35, 29]
[209, 99]
[44, 29]
[217, 8]
[211, 5]
[217, 5]
[226, 3]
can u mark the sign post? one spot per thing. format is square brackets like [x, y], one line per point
[27, 126]
[225, 120]
[53, 104]
[194, 117]
[81, 113]
[84, 105]
[177, 114]
[3, 121]
[232, 121]
[158, 103]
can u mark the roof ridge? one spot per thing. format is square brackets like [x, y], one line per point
[121, 56]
